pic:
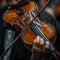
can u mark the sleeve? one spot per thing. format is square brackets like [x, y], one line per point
[1, 31]
[1, 24]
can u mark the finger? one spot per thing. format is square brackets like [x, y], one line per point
[36, 45]
[47, 45]
[34, 48]
[41, 41]
[36, 41]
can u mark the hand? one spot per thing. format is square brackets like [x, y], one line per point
[40, 48]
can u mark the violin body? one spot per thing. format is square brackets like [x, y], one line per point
[11, 15]
[13, 18]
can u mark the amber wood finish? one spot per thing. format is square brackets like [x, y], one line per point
[11, 15]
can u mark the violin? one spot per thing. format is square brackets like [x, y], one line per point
[13, 18]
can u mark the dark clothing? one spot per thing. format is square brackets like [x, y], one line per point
[19, 52]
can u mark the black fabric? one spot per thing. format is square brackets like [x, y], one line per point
[19, 52]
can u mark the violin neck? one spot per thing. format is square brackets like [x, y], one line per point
[39, 32]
